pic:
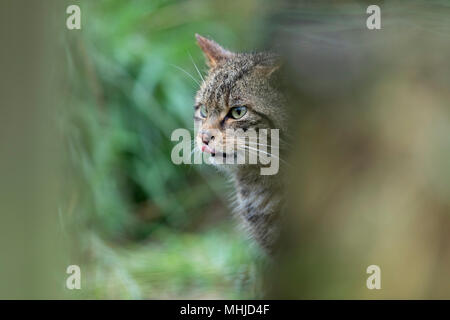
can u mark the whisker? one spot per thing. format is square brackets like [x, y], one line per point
[181, 69]
[243, 139]
[196, 68]
[267, 153]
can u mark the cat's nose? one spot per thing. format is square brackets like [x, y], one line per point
[207, 137]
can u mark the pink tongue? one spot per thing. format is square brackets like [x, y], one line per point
[207, 149]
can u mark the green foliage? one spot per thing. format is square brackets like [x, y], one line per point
[176, 266]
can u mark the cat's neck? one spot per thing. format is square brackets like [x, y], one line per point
[259, 200]
[251, 175]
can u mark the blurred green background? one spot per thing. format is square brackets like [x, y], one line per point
[147, 228]
[372, 175]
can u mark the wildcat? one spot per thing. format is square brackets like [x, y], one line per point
[241, 92]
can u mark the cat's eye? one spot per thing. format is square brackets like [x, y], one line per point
[203, 111]
[238, 112]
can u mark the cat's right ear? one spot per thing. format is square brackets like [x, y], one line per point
[214, 53]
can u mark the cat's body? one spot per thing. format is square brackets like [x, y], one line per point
[239, 93]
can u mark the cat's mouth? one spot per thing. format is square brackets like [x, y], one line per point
[208, 149]
[222, 154]
[215, 153]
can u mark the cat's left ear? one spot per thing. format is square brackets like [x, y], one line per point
[214, 53]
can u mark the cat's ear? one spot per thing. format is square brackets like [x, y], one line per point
[214, 53]
[269, 66]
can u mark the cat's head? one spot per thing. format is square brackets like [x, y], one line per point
[238, 93]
